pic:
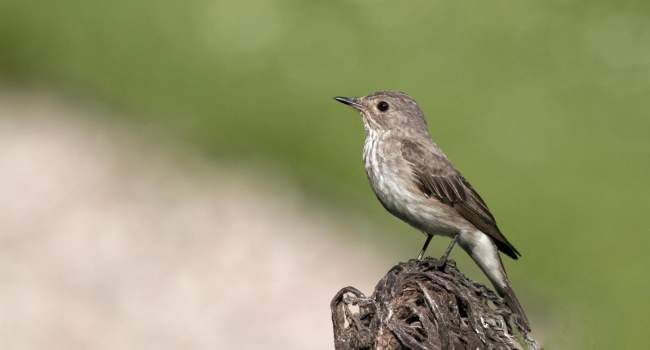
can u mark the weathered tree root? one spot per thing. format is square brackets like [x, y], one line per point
[417, 306]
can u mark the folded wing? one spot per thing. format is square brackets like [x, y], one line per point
[436, 177]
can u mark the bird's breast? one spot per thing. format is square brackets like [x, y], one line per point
[393, 182]
[389, 175]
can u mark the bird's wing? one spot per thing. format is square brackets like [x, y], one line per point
[436, 177]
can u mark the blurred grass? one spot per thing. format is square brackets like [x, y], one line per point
[543, 105]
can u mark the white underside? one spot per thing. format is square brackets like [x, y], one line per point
[397, 191]
[484, 252]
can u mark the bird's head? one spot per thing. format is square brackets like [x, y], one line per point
[388, 111]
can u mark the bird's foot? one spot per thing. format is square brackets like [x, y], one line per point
[442, 262]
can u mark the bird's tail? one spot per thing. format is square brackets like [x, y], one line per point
[513, 303]
[485, 254]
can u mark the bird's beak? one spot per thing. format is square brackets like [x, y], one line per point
[350, 101]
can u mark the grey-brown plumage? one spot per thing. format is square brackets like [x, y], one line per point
[436, 176]
[415, 181]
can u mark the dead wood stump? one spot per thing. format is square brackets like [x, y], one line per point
[417, 306]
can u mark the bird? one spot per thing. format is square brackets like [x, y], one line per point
[415, 181]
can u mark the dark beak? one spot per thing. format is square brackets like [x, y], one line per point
[350, 101]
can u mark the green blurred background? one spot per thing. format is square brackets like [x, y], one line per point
[542, 105]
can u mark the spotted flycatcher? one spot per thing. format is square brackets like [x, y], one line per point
[415, 181]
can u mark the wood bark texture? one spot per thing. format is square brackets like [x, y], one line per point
[420, 306]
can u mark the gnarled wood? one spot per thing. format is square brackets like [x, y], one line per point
[418, 306]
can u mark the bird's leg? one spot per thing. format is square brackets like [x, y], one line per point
[442, 262]
[424, 247]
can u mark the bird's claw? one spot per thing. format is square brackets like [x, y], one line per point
[441, 264]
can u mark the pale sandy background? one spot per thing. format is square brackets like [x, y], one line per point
[111, 243]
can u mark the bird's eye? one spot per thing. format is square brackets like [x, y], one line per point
[382, 106]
